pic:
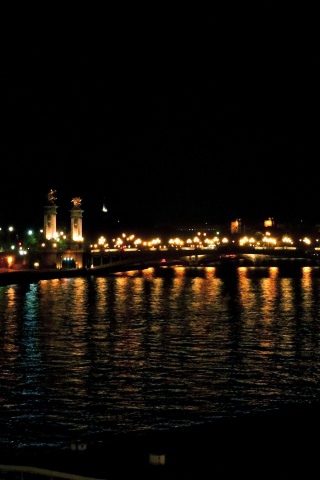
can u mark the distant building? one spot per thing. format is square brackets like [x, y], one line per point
[269, 222]
[236, 226]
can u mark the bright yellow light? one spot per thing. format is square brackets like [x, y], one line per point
[286, 239]
[269, 240]
[243, 240]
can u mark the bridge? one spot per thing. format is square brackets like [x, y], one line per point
[110, 261]
[113, 262]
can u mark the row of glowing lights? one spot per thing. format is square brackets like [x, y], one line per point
[199, 241]
[54, 244]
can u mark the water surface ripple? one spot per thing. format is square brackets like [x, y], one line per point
[82, 358]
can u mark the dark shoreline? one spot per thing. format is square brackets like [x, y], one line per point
[272, 445]
[23, 276]
[32, 276]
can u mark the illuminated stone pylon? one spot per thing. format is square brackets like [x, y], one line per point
[76, 220]
[50, 217]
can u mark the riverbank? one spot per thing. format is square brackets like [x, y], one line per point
[275, 445]
[21, 276]
[286, 268]
[10, 276]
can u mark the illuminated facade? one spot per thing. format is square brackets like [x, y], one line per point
[50, 217]
[236, 226]
[76, 220]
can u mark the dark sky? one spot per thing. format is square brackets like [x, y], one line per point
[166, 119]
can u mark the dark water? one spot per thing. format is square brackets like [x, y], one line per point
[83, 358]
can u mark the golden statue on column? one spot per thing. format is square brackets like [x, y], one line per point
[76, 201]
[51, 196]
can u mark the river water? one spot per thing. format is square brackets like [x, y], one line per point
[84, 358]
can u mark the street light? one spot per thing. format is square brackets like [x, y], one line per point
[10, 229]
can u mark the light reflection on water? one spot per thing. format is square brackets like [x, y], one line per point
[88, 357]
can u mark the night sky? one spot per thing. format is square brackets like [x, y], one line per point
[166, 120]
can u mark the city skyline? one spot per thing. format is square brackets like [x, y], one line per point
[181, 122]
[66, 221]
